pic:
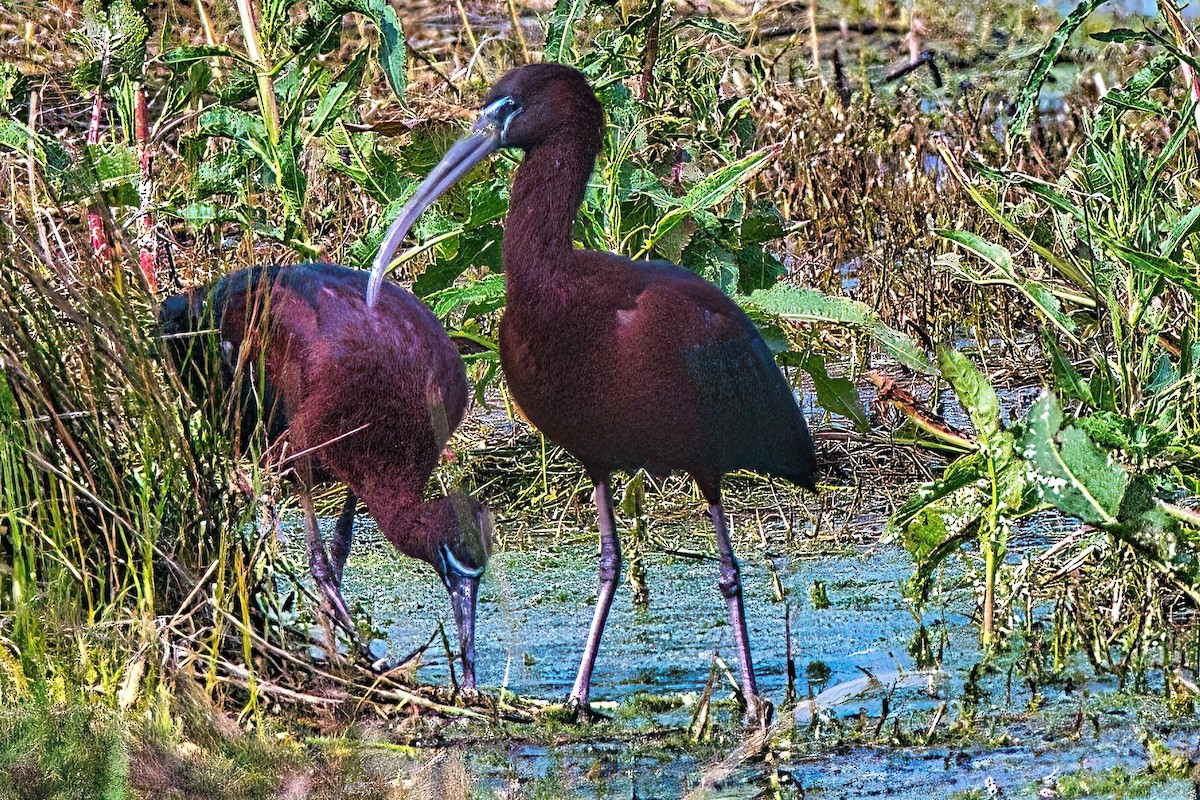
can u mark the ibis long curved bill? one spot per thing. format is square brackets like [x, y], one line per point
[486, 136]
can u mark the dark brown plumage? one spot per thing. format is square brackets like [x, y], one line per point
[626, 364]
[365, 397]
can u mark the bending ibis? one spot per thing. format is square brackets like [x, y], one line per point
[366, 397]
[626, 364]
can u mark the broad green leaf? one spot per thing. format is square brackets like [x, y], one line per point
[1028, 97]
[198, 215]
[224, 173]
[113, 169]
[18, 138]
[1165, 374]
[964, 472]
[838, 395]
[1069, 471]
[488, 202]
[487, 292]
[758, 268]
[240, 127]
[808, 305]
[974, 391]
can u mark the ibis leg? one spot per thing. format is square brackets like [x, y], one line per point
[343, 535]
[730, 584]
[318, 564]
[610, 576]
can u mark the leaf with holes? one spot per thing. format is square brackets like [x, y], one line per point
[1069, 471]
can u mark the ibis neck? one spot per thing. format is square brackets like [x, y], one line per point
[402, 524]
[547, 192]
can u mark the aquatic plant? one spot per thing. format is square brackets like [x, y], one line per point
[1109, 267]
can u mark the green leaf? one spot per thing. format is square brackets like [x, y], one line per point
[486, 294]
[709, 192]
[18, 138]
[1003, 272]
[1181, 231]
[8, 403]
[1066, 378]
[1028, 96]
[719, 28]
[808, 305]
[340, 96]
[1069, 470]
[1122, 35]
[964, 472]
[932, 540]
[838, 395]
[185, 56]
[758, 269]
[1179, 274]
[974, 391]
[560, 31]
[223, 173]
[392, 50]
[242, 128]
[198, 215]
[1132, 94]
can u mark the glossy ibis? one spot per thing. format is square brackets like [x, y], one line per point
[367, 397]
[626, 364]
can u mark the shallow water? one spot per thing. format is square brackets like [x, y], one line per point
[535, 606]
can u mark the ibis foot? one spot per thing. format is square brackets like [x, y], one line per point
[759, 711]
[335, 606]
[580, 712]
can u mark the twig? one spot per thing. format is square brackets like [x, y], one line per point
[926, 58]
[516, 23]
[814, 43]
[31, 170]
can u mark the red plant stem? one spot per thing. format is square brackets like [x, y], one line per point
[100, 246]
[146, 239]
[1184, 38]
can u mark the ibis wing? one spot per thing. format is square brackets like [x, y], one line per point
[737, 390]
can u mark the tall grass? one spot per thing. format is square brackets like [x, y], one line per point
[131, 551]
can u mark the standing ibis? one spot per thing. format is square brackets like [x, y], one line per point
[367, 397]
[626, 364]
